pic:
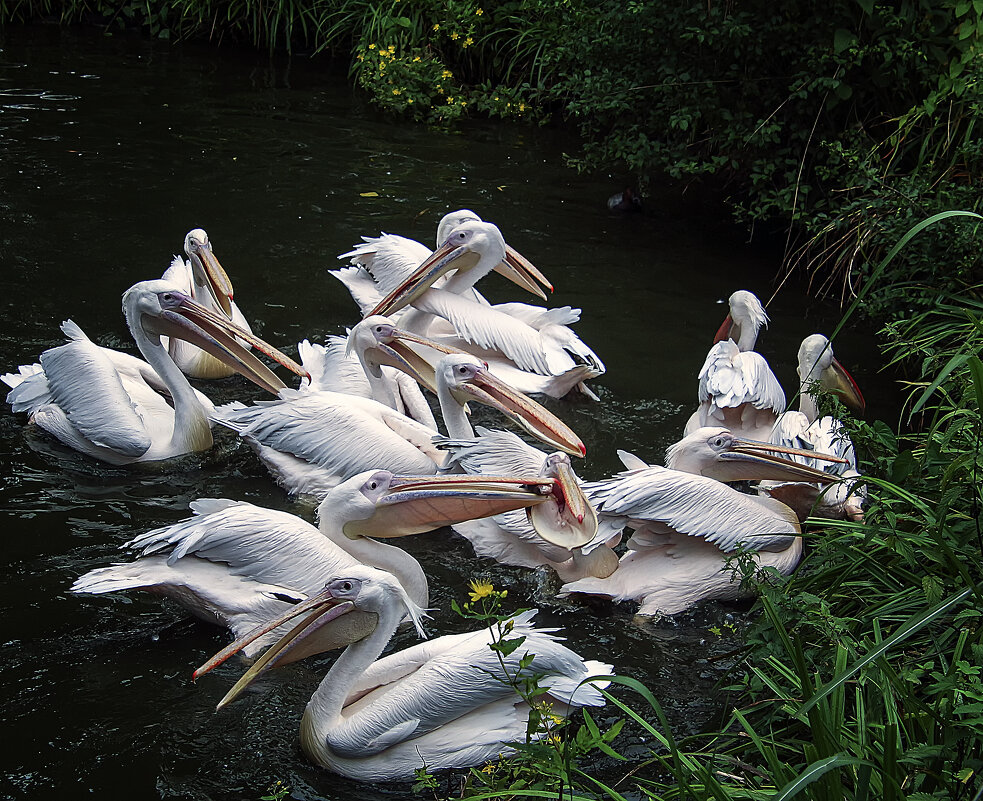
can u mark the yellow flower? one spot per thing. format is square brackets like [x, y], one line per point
[479, 589]
[436, 26]
[447, 74]
[455, 35]
[478, 12]
[371, 47]
[489, 768]
[468, 41]
[415, 59]
[397, 91]
[392, 48]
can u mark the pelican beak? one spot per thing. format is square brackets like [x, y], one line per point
[318, 611]
[396, 353]
[540, 423]
[218, 280]
[444, 259]
[183, 318]
[567, 519]
[414, 505]
[751, 460]
[724, 331]
[837, 380]
[519, 270]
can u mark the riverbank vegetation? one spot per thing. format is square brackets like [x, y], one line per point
[836, 127]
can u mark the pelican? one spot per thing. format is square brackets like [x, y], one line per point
[817, 368]
[119, 409]
[561, 533]
[374, 362]
[380, 264]
[543, 354]
[239, 565]
[737, 387]
[445, 703]
[203, 279]
[687, 525]
[312, 440]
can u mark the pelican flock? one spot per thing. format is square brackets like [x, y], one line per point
[380, 431]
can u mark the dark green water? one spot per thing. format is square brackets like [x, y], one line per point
[111, 149]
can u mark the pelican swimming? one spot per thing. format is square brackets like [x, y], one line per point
[380, 264]
[203, 279]
[737, 387]
[375, 361]
[561, 533]
[551, 358]
[818, 369]
[312, 440]
[687, 526]
[238, 565]
[119, 409]
[445, 703]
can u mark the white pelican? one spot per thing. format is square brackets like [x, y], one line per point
[687, 525]
[239, 565]
[818, 369]
[375, 362]
[737, 387]
[120, 409]
[203, 278]
[312, 440]
[541, 352]
[382, 263]
[445, 703]
[561, 533]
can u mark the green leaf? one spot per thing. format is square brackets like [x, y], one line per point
[976, 370]
[815, 771]
[843, 39]
[403, 22]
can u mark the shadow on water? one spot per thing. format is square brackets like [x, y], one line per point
[114, 147]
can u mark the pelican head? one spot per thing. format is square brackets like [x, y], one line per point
[156, 308]
[379, 504]
[566, 518]
[516, 267]
[716, 453]
[377, 341]
[466, 378]
[208, 273]
[473, 244]
[817, 365]
[362, 589]
[746, 318]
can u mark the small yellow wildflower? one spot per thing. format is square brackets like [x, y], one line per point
[360, 57]
[415, 59]
[479, 589]
[397, 91]
[409, 100]
[391, 49]
[522, 106]
[436, 26]
[468, 41]
[371, 47]
[455, 35]
[447, 74]
[489, 768]
[478, 12]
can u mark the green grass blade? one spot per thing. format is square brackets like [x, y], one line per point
[813, 772]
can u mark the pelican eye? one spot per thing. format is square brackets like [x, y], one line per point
[347, 586]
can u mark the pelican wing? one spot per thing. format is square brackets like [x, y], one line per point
[730, 378]
[488, 328]
[85, 385]
[340, 433]
[446, 679]
[389, 259]
[331, 368]
[264, 545]
[692, 505]
[494, 452]
[179, 274]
